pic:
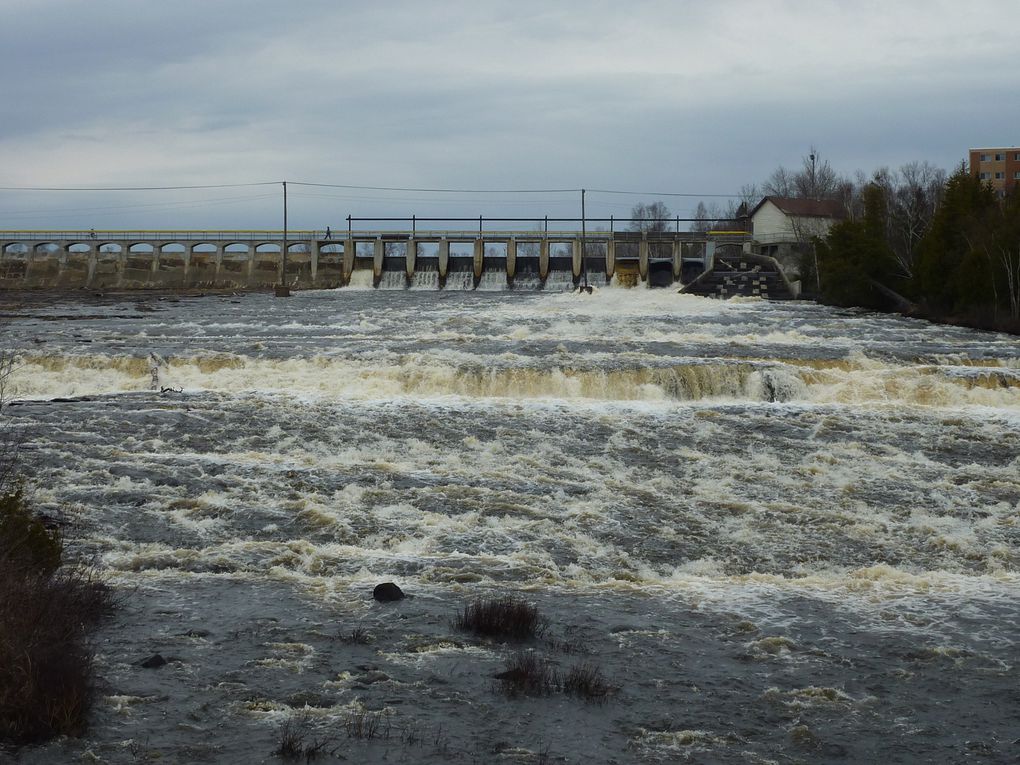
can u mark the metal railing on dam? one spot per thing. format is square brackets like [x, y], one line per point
[261, 259]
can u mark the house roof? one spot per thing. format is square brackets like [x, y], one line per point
[805, 208]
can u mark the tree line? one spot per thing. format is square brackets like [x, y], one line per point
[921, 242]
[915, 239]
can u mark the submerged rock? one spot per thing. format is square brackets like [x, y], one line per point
[308, 699]
[387, 592]
[153, 661]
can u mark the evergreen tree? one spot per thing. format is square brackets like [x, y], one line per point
[952, 272]
[855, 261]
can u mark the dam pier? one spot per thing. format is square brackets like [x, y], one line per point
[449, 258]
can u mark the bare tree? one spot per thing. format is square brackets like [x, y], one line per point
[530, 249]
[1009, 258]
[702, 220]
[779, 184]
[707, 218]
[8, 436]
[815, 180]
[749, 195]
[912, 196]
[651, 218]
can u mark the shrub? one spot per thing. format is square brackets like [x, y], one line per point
[291, 744]
[366, 725]
[586, 681]
[357, 636]
[294, 742]
[45, 612]
[506, 617]
[527, 674]
[24, 539]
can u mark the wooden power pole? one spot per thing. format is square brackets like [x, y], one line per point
[282, 290]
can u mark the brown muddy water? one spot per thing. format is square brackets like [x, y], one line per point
[783, 532]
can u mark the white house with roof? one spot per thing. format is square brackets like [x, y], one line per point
[783, 227]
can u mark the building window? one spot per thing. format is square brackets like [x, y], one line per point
[983, 176]
[984, 157]
[1017, 156]
[999, 157]
[999, 176]
[1016, 175]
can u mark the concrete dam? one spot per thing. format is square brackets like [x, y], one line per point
[324, 259]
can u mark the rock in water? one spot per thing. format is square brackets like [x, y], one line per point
[154, 661]
[387, 592]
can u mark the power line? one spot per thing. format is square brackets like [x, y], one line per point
[516, 191]
[663, 194]
[441, 191]
[367, 188]
[430, 201]
[137, 188]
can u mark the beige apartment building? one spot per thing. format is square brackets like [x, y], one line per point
[999, 167]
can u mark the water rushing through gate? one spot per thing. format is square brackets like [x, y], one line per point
[785, 532]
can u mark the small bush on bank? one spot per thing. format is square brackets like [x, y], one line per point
[45, 614]
[527, 674]
[506, 617]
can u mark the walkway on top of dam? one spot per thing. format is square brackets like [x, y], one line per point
[13, 241]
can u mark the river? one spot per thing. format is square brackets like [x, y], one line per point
[782, 532]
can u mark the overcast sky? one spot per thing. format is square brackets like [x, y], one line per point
[687, 97]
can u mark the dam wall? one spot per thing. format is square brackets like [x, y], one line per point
[308, 260]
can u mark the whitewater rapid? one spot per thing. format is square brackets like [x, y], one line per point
[775, 526]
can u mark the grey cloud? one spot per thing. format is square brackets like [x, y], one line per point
[655, 95]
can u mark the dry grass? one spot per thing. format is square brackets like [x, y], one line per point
[586, 681]
[507, 617]
[297, 743]
[357, 636]
[366, 725]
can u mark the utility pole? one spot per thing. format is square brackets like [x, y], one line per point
[282, 290]
[814, 249]
[584, 249]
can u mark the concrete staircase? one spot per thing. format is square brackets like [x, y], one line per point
[743, 276]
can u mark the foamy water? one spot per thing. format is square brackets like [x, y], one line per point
[775, 527]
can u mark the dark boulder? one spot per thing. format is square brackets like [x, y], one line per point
[387, 592]
[153, 661]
